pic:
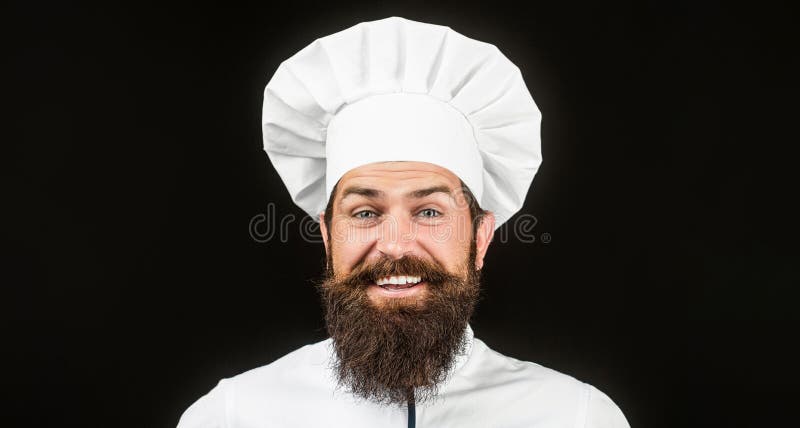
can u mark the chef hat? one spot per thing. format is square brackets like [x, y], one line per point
[400, 90]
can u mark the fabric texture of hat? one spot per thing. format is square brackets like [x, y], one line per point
[400, 90]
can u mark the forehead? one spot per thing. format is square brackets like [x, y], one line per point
[399, 175]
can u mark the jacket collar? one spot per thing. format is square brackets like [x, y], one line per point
[461, 359]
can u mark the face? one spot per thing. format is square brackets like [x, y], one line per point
[402, 278]
[396, 209]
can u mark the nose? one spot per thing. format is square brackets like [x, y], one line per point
[396, 237]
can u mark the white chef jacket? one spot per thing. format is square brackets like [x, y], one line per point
[483, 389]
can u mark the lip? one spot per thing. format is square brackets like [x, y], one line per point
[377, 290]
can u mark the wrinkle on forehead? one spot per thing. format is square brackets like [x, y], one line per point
[406, 169]
[397, 176]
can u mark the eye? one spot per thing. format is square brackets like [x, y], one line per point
[365, 214]
[429, 213]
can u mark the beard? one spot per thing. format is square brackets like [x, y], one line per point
[400, 349]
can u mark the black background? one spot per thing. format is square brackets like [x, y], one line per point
[136, 165]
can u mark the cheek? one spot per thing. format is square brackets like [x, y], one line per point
[348, 253]
[449, 252]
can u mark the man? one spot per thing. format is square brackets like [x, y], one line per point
[411, 144]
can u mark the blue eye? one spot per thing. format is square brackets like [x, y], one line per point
[365, 214]
[429, 212]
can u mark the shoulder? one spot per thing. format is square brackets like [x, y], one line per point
[209, 411]
[305, 366]
[308, 362]
[555, 394]
[493, 367]
[601, 412]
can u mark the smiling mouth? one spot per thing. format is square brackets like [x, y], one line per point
[398, 282]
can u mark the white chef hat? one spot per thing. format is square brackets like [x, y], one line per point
[400, 90]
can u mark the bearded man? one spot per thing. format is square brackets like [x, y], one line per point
[411, 144]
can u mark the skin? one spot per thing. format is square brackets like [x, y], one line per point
[391, 221]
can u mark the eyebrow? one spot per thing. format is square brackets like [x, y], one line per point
[421, 193]
[363, 191]
[377, 194]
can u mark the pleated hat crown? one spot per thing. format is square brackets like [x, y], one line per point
[393, 90]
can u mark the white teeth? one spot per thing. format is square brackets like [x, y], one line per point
[398, 280]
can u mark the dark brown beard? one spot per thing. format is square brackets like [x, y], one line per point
[403, 349]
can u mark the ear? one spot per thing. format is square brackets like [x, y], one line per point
[483, 238]
[324, 230]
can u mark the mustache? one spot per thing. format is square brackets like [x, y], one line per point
[367, 273]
